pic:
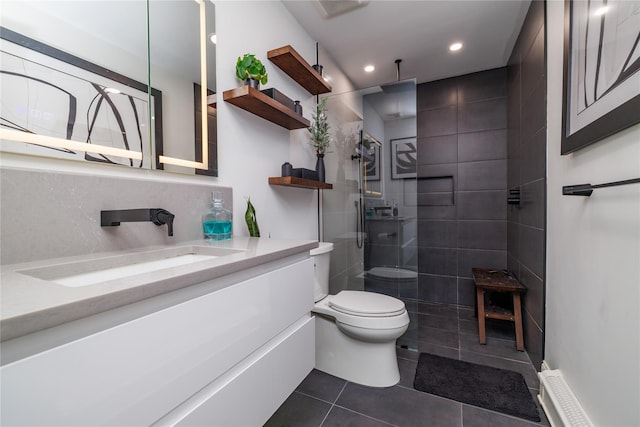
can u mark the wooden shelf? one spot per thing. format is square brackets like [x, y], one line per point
[256, 102]
[290, 61]
[292, 181]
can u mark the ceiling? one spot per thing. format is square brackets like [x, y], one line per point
[418, 32]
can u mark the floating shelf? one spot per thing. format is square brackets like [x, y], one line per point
[290, 61]
[256, 102]
[292, 181]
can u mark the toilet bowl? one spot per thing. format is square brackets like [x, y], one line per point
[356, 331]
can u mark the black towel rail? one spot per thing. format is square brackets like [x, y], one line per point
[587, 189]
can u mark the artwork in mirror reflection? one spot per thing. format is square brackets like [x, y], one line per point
[63, 99]
[75, 86]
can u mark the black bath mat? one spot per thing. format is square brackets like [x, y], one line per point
[496, 389]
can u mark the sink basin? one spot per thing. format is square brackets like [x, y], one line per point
[99, 270]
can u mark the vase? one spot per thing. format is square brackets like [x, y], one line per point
[253, 83]
[320, 167]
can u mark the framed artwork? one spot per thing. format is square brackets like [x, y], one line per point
[404, 158]
[46, 91]
[372, 163]
[601, 88]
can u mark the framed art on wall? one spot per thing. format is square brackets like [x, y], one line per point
[404, 158]
[601, 89]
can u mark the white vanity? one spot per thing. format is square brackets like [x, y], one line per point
[221, 339]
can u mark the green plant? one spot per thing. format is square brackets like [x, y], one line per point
[249, 67]
[319, 129]
[251, 220]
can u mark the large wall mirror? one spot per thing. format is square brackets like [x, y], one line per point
[118, 82]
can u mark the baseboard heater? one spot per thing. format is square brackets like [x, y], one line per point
[559, 402]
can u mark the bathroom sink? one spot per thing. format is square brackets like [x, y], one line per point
[99, 270]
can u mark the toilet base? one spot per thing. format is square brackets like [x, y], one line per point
[368, 363]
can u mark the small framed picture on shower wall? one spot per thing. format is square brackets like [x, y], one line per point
[601, 93]
[404, 158]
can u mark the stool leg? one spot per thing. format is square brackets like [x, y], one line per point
[517, 312]
[482, 333]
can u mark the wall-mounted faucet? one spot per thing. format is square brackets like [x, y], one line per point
[156, 215]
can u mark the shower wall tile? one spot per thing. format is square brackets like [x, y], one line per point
[526, 152]
[534, 297]
[470, 159]
[482, 115]
[484, 175]
[438, 234]
[438, 121]
[482, 205]
[437, 150]
[472, 258]
[532, 249]
[482, 235]
[534, 152]
[441, 261]
[482, 86]
[532, 204]
[466, 292]
[533, 65]
[438, 288]
[441, 93]
[487, 145]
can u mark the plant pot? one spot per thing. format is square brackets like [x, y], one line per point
[253, 83]
[320, 167]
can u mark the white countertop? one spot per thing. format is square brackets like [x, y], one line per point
[31, 304]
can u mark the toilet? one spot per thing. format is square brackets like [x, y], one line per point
[356, 331]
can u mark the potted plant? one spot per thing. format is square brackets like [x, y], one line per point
[251, 70]
[319, 136]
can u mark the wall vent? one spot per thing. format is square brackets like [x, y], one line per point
[559, 402]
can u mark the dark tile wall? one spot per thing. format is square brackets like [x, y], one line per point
[462, 183]
[526, 170]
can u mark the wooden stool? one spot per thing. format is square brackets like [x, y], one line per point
[497, 280]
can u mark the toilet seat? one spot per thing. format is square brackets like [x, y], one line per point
[396, 317]
[367, 304]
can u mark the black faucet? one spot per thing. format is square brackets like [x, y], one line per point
[156, 215]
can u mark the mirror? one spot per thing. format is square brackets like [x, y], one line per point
[372, 171]
[78, 82]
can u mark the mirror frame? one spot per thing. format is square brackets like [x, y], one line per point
[378, 170]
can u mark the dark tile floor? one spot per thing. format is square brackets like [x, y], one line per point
[323, 400]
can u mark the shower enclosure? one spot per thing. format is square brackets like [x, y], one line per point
[370, 215]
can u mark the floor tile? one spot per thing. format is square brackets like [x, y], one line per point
[340, 417]
[299, 410]
[477, 417]
[439, 350]
[401, 406]
[405, 353]
[322, 386]
[494, 347]
[437, 309]
[407, 372]
[438, 336]
[439, 322]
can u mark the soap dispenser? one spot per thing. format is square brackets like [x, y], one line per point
[217, 221]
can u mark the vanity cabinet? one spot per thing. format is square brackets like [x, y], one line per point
[228, 356]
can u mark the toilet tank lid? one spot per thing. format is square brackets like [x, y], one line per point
[360, 303]
[323, 247]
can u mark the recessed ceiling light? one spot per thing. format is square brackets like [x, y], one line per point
[214, 38]
[601, 11]
[369, 68]
[111, 90]
[455, 47]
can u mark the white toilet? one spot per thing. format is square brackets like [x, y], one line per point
[356, 331]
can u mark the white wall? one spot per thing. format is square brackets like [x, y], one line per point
[593, 259]
[250, 148]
